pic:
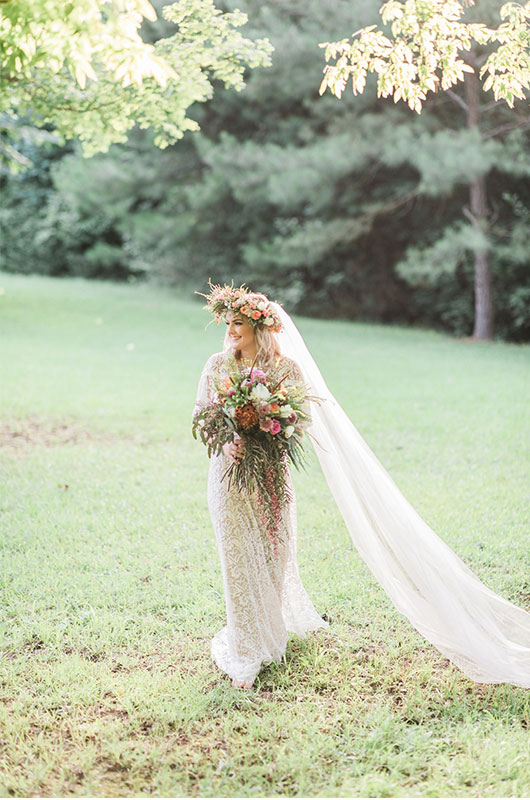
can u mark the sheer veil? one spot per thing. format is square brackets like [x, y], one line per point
[486, 636]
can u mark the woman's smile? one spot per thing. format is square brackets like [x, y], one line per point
[241, 334]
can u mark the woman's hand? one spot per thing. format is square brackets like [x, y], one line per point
[234, 450]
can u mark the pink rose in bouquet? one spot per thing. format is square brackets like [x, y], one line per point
[258, 376]
[270, 417]
[276, 426]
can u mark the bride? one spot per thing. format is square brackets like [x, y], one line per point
[486, 636]
[264, 596]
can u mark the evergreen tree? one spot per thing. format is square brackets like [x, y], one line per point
[434, 45]
[349, 208]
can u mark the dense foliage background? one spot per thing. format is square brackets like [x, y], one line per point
[353, 208]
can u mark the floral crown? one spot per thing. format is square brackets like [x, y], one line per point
[255, 307]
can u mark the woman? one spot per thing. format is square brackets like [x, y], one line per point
[264, 596]
[486, 636]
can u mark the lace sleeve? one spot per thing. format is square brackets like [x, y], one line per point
[206, 388]
[294, 373]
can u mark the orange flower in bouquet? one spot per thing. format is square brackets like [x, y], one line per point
[271, 418]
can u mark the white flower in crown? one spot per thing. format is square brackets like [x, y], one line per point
[257, 308]
[286, 411]
[260, 392]
[288, 431]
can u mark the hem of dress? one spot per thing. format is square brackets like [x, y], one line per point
[221, 656]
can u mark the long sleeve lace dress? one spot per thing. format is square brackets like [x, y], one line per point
[265, 598]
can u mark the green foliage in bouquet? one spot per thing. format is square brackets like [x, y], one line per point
[270, 417]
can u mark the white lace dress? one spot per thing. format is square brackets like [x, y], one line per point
[265, 599]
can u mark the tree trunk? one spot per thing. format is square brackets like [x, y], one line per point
[483, 328]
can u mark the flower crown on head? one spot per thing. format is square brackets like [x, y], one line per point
[255, 307]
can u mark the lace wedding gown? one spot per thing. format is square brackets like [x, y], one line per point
[265, 598]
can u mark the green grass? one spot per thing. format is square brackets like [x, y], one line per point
[111, 588]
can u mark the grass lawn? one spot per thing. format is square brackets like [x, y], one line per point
[111, 588]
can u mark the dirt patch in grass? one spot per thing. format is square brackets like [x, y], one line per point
[20, 435]
[176, 657]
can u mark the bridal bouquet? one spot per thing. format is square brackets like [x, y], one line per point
[270, 417]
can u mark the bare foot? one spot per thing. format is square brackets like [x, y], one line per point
[242, 684]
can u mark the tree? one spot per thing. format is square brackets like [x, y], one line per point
[82, 67]
[421, 55]
[265, 202]
[345, 208]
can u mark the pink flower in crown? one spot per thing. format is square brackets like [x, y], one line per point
[266, 425]
[256, 314]
[246, 382]
[292, 417]
[265, 408]
[231, 392]
[275, 426]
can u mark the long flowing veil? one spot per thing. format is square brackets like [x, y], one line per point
[486, 636]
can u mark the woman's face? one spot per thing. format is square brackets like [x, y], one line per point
[240, 332]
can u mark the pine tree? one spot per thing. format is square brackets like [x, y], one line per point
[433, 45]
[357, 208]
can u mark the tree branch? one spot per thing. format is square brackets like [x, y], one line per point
[40, 93]
[396, 202]
[490, 106]
[454, 96]
[510, 126]
[471, 217]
